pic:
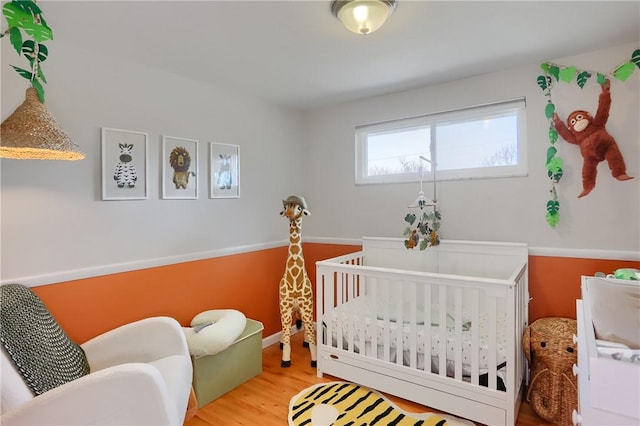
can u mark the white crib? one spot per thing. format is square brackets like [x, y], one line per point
[379, 313]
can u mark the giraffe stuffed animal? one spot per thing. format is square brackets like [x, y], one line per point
[295, 286]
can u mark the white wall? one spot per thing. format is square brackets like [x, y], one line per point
[511, 209]
[55, 225]
[53, 218]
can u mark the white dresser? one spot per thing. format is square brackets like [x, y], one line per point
[608, 389]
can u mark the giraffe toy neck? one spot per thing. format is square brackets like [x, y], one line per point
[295, 260]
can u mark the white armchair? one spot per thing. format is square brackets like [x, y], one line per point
[140, 374]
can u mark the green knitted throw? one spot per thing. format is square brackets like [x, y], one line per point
[39, 348]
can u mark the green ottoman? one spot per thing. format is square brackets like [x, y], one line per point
[215, 375]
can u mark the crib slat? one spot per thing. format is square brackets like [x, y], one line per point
[442, 330]
[475, 336]
[398, 292]
[329, 304]
[413, 329]
[387, 324]
[373, 320]
[426, 328]
[458, 334]
[340, 301]
[493, 342]
[362, 292]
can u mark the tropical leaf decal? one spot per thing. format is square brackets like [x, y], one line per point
[553, 135]
[635, 57]
[624, 71]
[567, 74]
[544, 82]
[555, 175]
[553, 219]
[551, 151]
[582, 78]
[549, 110]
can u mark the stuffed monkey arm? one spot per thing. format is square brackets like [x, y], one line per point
[604, 104]
[562, 129]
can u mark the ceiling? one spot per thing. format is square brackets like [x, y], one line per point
[295, 53]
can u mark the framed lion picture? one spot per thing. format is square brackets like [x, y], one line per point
[179, 168]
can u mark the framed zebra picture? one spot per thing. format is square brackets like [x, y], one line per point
[124, 164]
[179, 168]
[225, 171]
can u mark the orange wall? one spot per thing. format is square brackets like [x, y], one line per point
[249, 282]
[554, 282]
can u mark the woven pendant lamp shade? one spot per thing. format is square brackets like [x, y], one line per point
[31, 132]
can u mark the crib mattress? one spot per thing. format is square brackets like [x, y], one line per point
[349, 318]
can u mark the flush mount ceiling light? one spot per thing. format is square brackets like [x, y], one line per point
[363, 16]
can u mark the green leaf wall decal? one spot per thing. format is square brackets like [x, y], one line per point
[635, 57]
[567, 74]
[549, 110]
[553, 135]
[542, 82]
[601, 78]
[582, 78]
[553, 206]
[554, 164]
[553, 219]
[624, 71]
[555, 175]
[554, 71]
[551, 151]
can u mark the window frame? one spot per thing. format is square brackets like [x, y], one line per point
[432, 121]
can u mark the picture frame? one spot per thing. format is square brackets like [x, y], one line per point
[179, 168]
[124, 164]
[224, 160]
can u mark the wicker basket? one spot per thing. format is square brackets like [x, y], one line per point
[553, 389]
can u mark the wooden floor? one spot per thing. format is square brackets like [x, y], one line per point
[264, 400]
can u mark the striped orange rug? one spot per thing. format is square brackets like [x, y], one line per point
[343, 403]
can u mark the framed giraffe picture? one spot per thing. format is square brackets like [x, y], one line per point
[179, 168]
[124, 164]
[224, 180]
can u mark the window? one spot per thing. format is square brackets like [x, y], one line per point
[476, 142]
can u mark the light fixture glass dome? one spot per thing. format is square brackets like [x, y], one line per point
[363, 16]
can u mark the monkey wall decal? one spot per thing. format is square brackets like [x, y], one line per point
[596, 144]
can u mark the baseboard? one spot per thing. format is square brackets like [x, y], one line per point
[275, 337]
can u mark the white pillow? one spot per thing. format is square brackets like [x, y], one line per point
[214, 331]
[615, 310]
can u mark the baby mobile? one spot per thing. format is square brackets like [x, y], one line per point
[425, 233]
[588, 132]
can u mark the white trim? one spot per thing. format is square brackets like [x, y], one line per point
[96, 271]
[533, 251]
[275, 337]
[586, 253]
[329, 240]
